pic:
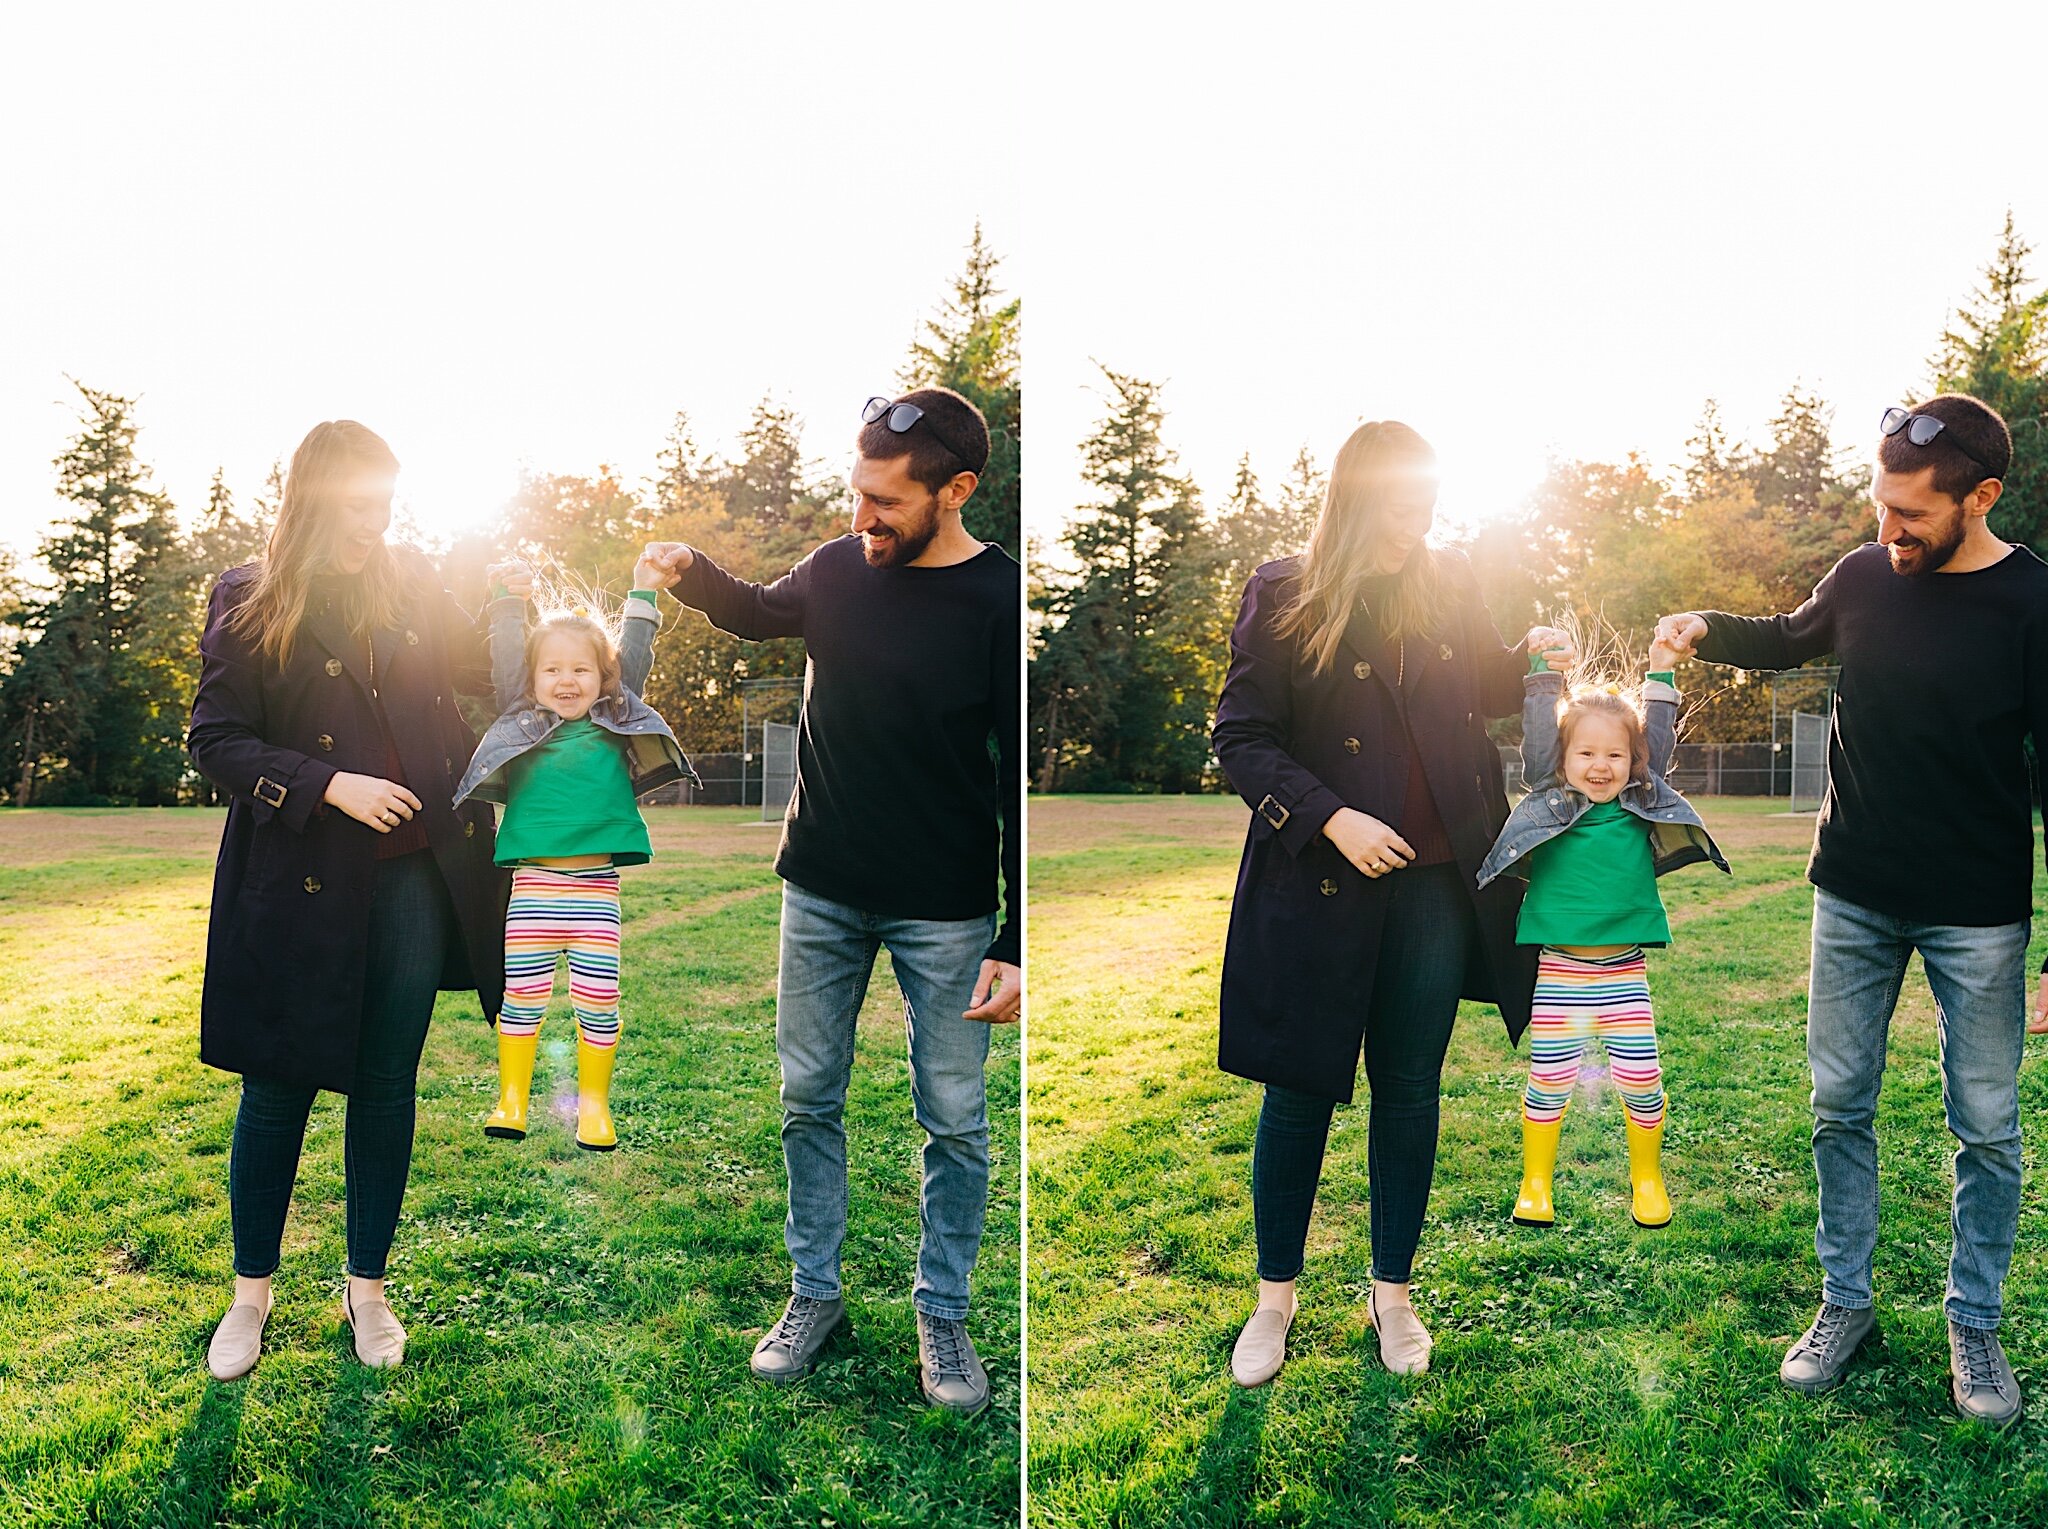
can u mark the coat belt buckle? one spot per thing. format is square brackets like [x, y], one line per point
[1268, 807]
[257, 790]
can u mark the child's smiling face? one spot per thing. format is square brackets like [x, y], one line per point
[1596, 761]
[566, 675]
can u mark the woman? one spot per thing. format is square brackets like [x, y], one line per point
[1353, 721]
[347, 890]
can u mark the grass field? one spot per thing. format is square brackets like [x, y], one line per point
[580, 1323]
[1593, 1374]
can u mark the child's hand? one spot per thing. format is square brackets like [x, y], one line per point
[2038, 1025]
[660, 563]
[1663, 657]
[515, 574]
[1555, 646]
[1679, 633]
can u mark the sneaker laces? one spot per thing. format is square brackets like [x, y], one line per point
[1979, 1357]
[793, 1328]
[947, 1342]
[1826, 1331]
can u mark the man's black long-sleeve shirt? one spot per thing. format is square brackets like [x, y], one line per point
[1928, 815]
[900, 807]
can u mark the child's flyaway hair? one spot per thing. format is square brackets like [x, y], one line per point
[565, 605]
[1595, 686]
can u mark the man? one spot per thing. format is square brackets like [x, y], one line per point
[1925, 842]
[891, 840]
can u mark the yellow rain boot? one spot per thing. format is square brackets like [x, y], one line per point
[515, 1081]
[1539, 1161]
[1652, 1206]
[594, 1132]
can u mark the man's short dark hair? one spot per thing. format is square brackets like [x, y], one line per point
[952, 438]
[1974, 444]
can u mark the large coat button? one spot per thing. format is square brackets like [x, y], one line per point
[327, 741]
[1351, 745]
[334, 668]
[1444, 652]
[312, 883]
[1329, 887]
[414, 639]
[1362, 669]
[469, 830]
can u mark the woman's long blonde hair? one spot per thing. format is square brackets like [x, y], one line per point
[1344, 550]
[303, 539]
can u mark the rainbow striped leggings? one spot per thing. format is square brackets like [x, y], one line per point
[1576, 997]
[557, 913]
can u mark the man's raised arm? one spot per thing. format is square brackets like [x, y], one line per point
[738, 606]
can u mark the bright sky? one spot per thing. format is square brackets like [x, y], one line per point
[1522, 229]
[494, 233]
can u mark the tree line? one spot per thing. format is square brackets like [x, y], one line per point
[99, 645]
[1130, 640]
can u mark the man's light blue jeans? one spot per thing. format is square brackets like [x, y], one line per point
[1979, 977]
[828, 953]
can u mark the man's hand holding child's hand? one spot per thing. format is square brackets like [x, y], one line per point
[661, 563]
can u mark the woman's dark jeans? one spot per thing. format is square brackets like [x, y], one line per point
[412, 925]
[1429, 933]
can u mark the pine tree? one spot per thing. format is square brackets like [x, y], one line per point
[96, 705]
[1132, 644]
[1711, 459]
[972, 348]
[1997, 350]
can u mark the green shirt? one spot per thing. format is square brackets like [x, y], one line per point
[1594, 884]
[572, 795]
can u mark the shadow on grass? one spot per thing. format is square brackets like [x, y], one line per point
[1226, 1476]
[195, 1490]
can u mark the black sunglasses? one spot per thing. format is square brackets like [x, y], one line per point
[1921, 429]
[901, 416]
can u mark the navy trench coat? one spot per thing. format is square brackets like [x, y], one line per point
[288, 937]
[1304, 937]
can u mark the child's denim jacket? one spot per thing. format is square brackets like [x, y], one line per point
[1677, 836]
[653, 757]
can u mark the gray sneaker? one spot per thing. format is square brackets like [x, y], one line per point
[947, 1366]
[1979, 1379]
[790, 1350]
[1816, 1362]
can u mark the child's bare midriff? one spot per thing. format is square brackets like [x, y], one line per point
[1592, 950]
[571, 862]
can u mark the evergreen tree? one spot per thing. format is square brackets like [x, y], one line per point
[1301, 504]
[972, 348]
[1138, 626]
[1711, 458]
[1997, 350]
[226, 538]
[97, 705]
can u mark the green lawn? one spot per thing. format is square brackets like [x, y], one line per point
[580, 1323]
[1593, 1374]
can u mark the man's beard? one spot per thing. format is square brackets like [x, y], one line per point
[1932, 554]
[906, 546]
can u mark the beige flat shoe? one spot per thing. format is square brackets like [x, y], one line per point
[380, 1341]
[237, 1341]
[1404, 1342]
[1262, 1346]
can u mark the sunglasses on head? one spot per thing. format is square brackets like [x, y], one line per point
[901, 416]
[1921, 429]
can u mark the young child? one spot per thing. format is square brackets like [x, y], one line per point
[572, 750]
[1599, 826]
